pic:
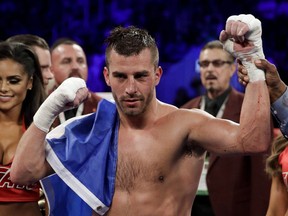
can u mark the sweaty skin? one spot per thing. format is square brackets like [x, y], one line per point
[151, 187]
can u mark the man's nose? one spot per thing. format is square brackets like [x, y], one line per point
[131, 86]
[47, 73]
[75, 65]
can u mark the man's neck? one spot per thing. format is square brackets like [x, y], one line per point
[142, 120]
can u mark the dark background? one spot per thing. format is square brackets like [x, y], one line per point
[180, 28]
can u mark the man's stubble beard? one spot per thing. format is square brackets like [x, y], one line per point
[144, 104]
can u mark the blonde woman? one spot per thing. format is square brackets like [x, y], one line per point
[277, 168]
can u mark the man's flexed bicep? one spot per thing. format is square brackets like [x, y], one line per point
[29, 164]
[222, 136]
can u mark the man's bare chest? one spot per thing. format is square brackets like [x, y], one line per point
[142, 159]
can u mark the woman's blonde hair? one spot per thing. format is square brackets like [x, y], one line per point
[273, 168]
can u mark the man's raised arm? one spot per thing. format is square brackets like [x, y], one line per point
[242, 38]
[29, 164]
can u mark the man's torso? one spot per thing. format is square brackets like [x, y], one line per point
[156, 172]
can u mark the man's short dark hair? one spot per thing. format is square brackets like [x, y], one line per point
[131, 41]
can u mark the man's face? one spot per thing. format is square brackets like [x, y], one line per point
[45, 63]
[216, 70]
[132, 80]
[69, 61]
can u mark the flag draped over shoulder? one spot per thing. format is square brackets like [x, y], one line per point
[83, 153]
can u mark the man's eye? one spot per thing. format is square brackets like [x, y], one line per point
[66, 61]
[81, 61]
[139, 76]
[120, 76]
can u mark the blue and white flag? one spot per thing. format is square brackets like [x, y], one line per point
[83, 153]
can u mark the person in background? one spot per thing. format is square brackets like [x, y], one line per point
[69, 60]
[137, 156]
[231, 185]
[21, 94]
[276, 167]
[41, 48]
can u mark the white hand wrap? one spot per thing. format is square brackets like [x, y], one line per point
[253, 51]
[58, 101]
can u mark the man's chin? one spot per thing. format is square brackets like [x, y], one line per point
[210, 88]
[132, 111]
[76, 75]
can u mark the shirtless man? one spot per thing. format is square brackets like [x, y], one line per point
[161, 148]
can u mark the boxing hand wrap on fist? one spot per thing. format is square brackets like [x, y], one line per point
[243, 41]
[63, 98]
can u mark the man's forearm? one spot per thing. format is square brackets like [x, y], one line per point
[255, 118]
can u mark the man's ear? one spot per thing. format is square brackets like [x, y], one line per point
[158, 75]
[106, 75]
